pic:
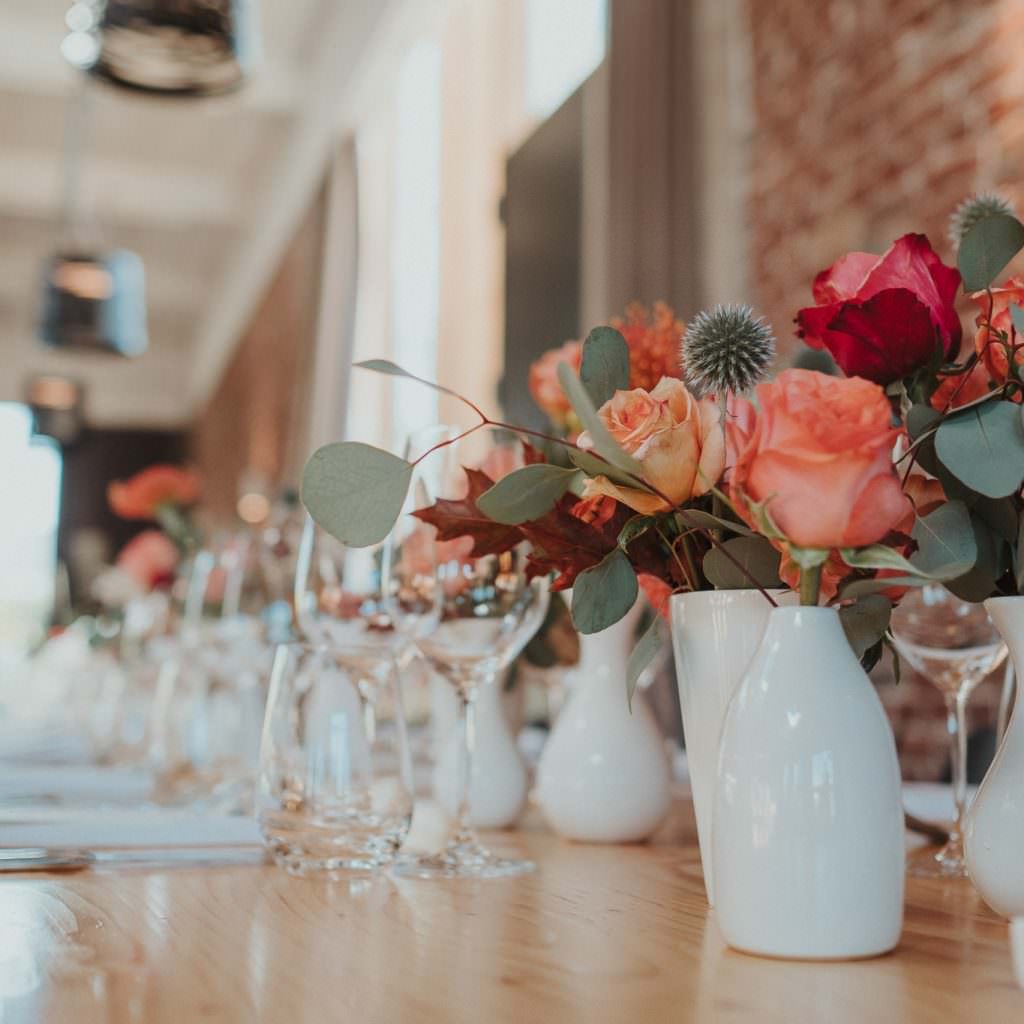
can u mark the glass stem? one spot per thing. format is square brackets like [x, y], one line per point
[466, 724]
[956, 724]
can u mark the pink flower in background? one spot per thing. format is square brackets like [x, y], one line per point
[543, 380]
[149, 558]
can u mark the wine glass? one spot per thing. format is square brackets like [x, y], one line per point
[953, 644]
[485, 609]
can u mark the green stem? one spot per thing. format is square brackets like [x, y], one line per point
[810, 586]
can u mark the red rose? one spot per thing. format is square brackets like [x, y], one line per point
[882, 318]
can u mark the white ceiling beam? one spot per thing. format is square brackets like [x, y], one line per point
[357, 52]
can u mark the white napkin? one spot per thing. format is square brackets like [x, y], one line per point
[81, 784]
[124, 830]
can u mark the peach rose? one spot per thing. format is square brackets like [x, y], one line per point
[820, 457]
[149, 558]
[678, 441]
[990, 348]
[144, 493]
[543, 381]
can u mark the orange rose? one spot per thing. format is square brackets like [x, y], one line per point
[954, 392]
[990, 348]
[677, 440]
[820, 457]
[543, 381]
[144, 493]
[150, 558]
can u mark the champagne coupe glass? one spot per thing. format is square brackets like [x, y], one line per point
[953, 644]
[485, 610]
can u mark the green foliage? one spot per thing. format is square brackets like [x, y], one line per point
[641, 656]
[604, 593]
[593, 466]
[983, 447]
[754, 554]
[355, 491]
[986, 249]
[865, 622]
[526, 493]
[605, 365]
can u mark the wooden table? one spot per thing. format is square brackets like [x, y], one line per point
[598, 934]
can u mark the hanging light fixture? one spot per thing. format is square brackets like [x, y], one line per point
[93, 299]
[168, 47]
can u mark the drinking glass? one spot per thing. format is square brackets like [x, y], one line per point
[335, 783]
[953, 644]
[470, 626]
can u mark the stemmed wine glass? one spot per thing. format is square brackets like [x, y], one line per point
[482, 610]
[953, 644]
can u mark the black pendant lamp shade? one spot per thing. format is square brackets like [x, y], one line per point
[174, 47]
[95, 302]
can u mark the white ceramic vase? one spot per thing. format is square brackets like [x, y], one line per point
[499, 784]
[808, 820]
[994, 828]
[715, 635]
[604, 774]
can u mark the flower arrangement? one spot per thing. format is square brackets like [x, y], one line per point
[907, 469]
[163, 494]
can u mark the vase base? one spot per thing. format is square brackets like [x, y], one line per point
[462, 860]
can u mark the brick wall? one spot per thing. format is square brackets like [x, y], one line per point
[872, 118]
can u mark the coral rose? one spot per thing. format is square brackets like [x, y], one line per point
[677, 439]
[988, 346]
[820, 458]
[149, 558]
[142, 495]
[884, 317]
[543, 381]
[956, 391]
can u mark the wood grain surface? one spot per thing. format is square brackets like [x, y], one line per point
[598, 934]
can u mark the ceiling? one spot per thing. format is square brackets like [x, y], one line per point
[205, 191]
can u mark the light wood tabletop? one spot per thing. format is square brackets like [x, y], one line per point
[598, 934]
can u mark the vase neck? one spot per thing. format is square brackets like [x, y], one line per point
[1007, 613]
[816, 633]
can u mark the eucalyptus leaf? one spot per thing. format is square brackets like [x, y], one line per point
[987, 248]
[1018, 559]
[641, 656]
[983, 448]
[604, 593]
[593, 466]
[921, 419]
[754, 554]
[695, 518]
[355, 491]
[999, 514]
[861, 588]
[865, 622]
[946, 547]
[634, 528]
[980, 582]
[526, 493]
[391, 369]
[604, 443]
[1017, 316]
[605, 364]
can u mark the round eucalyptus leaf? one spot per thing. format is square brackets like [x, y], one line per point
[355, 491]
[983, 447]
[865, 622]
[754, 555]
[604, 593]
[987, 248]
[946, 546]
[605, 364]
[526, 493]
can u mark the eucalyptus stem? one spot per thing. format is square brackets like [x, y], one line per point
[810, 585]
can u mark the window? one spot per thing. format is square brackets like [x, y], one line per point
[565, 41]
[28, 530]
[416, 235]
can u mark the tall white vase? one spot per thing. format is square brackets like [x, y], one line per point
[604, 774]
[994, 829]
[808, 820]
[715, 635]
[499, 784]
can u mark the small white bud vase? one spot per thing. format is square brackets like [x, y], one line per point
[994, 828]
[604, 774]
[500, 783]
[808, 845]
[715, 634]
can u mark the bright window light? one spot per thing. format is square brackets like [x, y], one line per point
[416, 234]
[29, 515]
[565, 41]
